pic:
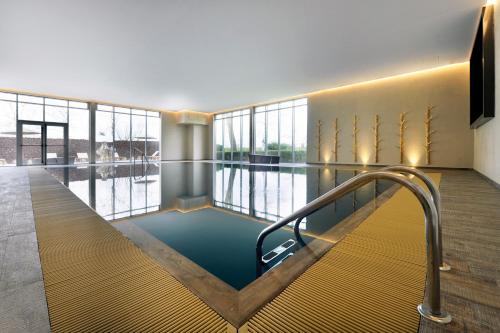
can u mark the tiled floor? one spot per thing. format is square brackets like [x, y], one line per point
[471, 243]
[23, 307]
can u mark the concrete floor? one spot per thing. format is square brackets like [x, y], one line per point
[23, 307]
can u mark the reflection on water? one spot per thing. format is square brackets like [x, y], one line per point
[272, 193]
[221, 240]
[113, 191]
[265, 193]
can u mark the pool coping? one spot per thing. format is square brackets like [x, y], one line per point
[237, 307]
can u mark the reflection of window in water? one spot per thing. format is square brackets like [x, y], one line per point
[117, 193]
[276, 194]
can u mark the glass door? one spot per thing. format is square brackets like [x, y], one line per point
[55, 144]
[31, 144]
[42, 143]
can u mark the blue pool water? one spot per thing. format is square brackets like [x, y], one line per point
[221, 243]
[212, 213]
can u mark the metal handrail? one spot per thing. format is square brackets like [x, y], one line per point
[436, 198]
[143, 157]
[431, 309]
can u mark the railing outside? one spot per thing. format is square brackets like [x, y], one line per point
[144, 167]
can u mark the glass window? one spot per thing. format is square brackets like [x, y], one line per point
[30, 99]
[56, 114]
[7, 96]
[30, 112]
[300, 144]
[260, 133]
[219, 143]
[227, 139]
[7, 133]
[236, 138]
[78, 105]
[133, 132]
[122, 136]
[113, 127]
[245, 137]
[272, 147]
[138, 135]
[104, 136]
[153, 137]
[286, 131]
[281, 129]
[78, 132]
[232, 135]
[104, 107]
[56, 102]
[139, 112]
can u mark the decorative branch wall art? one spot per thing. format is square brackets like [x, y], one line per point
[402, 128]
[428, 133]
[355, 138]
[318, 139]
[376, 137]
[335, 143]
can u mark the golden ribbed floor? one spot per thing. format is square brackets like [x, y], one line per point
[96, 280]
[372, 281]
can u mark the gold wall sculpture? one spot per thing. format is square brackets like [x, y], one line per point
[318, 139]
[376, 137]
[335, 143]
[428, 133]
[402, 128]
[355, 132]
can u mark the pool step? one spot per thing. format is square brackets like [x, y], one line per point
[278, 250]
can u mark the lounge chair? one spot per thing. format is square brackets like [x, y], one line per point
[82, 158]
[52, 158]
[155, 156]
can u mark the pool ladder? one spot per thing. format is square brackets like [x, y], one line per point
[431, 204]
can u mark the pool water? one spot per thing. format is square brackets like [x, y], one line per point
[212, 213]
[221, 243]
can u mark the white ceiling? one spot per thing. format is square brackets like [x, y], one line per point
[211, 55]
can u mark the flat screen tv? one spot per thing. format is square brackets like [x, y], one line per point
[482, 71]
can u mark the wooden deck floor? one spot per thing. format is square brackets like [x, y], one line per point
[471, 240]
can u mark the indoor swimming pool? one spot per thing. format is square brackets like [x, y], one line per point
[212, 213]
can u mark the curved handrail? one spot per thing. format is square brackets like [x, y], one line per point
[436, 197]
[432, 310]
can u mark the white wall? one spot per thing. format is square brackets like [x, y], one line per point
[173, 138]
[184, 142]
[487, 137]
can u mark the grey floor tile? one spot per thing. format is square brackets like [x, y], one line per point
[21, 264]
[24, 309]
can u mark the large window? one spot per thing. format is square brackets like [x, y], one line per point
[14, 107]
[78, 132]
[232, 135]
[122, 133]
[8, 117]
[281, 129]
